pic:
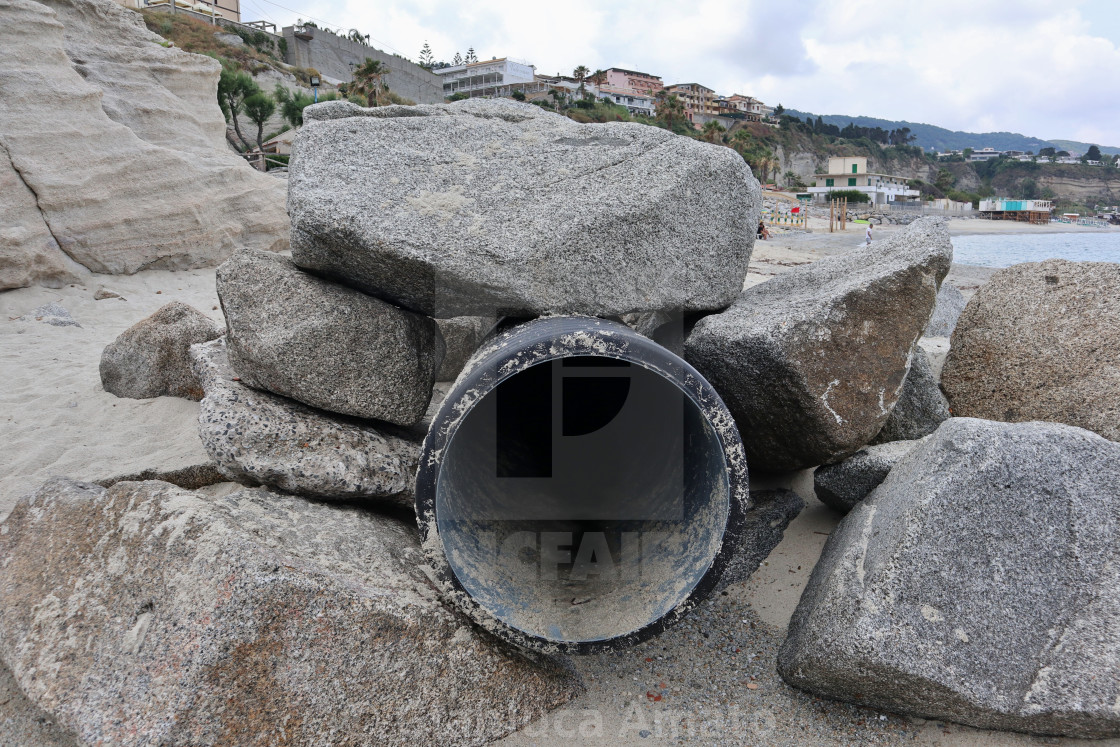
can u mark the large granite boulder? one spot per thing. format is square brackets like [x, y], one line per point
[843, 485]
[950, 304]
[1041, 341]
[979, 583]
[921, 406]
[146, 614]
[811, 362]
[483, 207]
[120, 142]
[324, 344]
[264, 439]
[152, 357]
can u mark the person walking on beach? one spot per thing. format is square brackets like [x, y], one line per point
[869, 234]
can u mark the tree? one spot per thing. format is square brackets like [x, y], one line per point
[1093, 154]
[358, 37]
[713, 131]
[234, 86]
[369, 81]
[458, 60]
[580, 74]
[779, 110]
[518, 95]
[293, 104]
[426, 59]
[967, 153]
[599, 77]
[669, 109]
[471, 57]
[258, 108]
[1047, 152]
[561, 98]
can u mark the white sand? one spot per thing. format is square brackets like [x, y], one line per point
[57, 420]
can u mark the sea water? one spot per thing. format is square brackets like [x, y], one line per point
[1002, 250]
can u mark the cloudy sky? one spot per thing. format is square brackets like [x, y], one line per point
[1039, 67]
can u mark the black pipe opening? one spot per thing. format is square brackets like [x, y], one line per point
[581, 495]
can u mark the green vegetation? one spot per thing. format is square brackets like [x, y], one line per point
[369, 81]
[192, 35]
[258, 108]
[851, 195]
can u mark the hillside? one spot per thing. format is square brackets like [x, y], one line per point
[939, 138]
[1078, 148]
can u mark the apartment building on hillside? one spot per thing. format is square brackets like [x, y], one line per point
[476, 78]
[637, 102]
[229, 10]
[634, 81]
[697, 99]
[746, 107]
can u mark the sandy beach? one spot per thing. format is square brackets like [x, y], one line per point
[710, 680]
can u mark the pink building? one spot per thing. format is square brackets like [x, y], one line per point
[633, 80]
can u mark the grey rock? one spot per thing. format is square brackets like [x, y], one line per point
[920, 408]
[191, 477]
[771, 512]
[494, 207]
[104, 293]
[264, 439]
[231, 39]
[978, 583]
[152, 357]
[1041, 341]
[843, 485]
[950, 304]
[461, 337]
[324, 344]
[54, 314]
[162, 616]
[811, 362]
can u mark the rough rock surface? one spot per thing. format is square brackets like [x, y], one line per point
[811, 362]
[461, 337]
[53, 313]
[766, 522]
[152, 357]
[1041, 341]
[324, 344]
[483, 207]
[920, 408]
[133, 172]
[29, 254]
[950, 304]
[843, 485]
[979, 583]
[265, 439]
[146, 614]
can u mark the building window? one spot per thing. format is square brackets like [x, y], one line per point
[854, 167]
[852, 180]
[829, 182]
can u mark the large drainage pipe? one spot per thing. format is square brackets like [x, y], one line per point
[581, 487]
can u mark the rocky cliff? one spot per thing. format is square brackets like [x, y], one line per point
[114, 147]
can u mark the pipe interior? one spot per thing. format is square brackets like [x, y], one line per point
[582, 499]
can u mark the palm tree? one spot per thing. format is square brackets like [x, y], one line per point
[369, 81]
[669, 108]
[580, 74]
[599, 77]
[713, 131]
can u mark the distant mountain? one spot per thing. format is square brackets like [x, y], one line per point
[939, 138]
[1079, 148]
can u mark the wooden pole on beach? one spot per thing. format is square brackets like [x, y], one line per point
[831, 215]
[844, 215]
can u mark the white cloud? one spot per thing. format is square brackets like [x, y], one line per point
[1037, 67]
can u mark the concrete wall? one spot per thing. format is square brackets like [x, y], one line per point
[331, 55]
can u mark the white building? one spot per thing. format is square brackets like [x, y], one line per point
[637, 102]
[985, 154]
[851, 173]
[476, 77]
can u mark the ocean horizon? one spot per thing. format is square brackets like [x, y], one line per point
[1004, 250]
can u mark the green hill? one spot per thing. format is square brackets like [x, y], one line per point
[939, 138]
[1079, 148]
